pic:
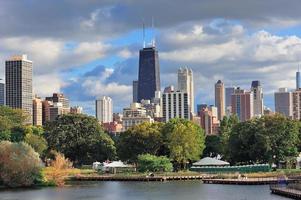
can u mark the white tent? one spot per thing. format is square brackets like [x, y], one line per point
[210, 162]
[116, 164]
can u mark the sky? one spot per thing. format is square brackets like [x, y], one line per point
[89, 48]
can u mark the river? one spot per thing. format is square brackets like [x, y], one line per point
[176, 190]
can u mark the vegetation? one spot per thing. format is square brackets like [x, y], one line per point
[213, 146]
[80, 138]
[20, 165]
[151, 163]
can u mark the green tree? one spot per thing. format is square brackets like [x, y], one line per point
[213, 146]
[141, 139]
[20, 165]
[80, 138]
[151, 163]
[38, 143]
[185, 141]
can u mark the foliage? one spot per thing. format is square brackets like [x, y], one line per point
[20, 165]
[141, 139]
[80, 138]
[38, 143]
[213, 146]
[151, 163]
[185, 140]
[266, 139]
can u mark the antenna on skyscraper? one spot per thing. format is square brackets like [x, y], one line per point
[143, 27]
[153, 30]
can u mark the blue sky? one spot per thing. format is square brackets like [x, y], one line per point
[87, 49]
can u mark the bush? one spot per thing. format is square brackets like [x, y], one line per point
[20, 165]
[151, 163]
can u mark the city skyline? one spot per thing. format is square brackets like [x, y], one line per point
[84, 54]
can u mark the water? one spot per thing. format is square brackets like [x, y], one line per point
[181, 190]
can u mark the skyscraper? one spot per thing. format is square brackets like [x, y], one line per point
[296, 96]
[18, 82]
[220, 99]
[229, 92]
[298, 80]
[242, 104]
[149, 73]
[37, 111]
[257, 98]
[2, 94]
[104, 109]
[135, 91]
[185, 84]
[284, 102]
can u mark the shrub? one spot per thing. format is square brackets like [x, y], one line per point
[20, 165]
[151, 163]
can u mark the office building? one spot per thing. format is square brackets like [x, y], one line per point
[56, 110]
[175, 104]
[209, 120]
[185, 84]
[76, 110]
[229, 91]
[37, 111]
[135, 92]
[18, 84]
[104, 109]
[242, 104]
[60, 98]
[46, 111]
[2, 94]
[220, 99]
[257, 98]
[284, 102]
[296, 96]
[134, 115]
[149, 73]
[298, 80]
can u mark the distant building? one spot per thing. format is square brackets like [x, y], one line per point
[134, 115]
[18, 82]
[257, 98]
[46, 111]
[242, 104]
[229, 92]
[60, 98]
[296, 104]
[135, 92]
[209, 121]
[220, 99]
[284, 102]
[175, 104]
[2, 94]
[149, 73]
[152, 109]
[76, 110]
[55, 110]
[200, 108]
[104, 109]
[37, 111]
[298, 80]
[113, 128]
[117, 117]
[185, 84]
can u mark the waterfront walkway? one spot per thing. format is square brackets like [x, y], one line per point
[287, 192]
[249, 181]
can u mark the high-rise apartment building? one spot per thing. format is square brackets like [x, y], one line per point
[209, 121]
[2, 94]
[76, 110]
[60, 98]
[242, 104]
[220, 99]
[185, 84]
[175, 104]
[18, 83]
[229, 92]
[104, 109]
[296, 95]
[149, 73]
[284, 102]
[37, 111]
[257, 98]
[135, 91]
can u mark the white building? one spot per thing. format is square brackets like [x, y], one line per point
[257, 98]
[175, 104]
[185, 84]
[104, 109]
[284, 102]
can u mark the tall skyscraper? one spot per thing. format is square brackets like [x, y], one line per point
[229, 92]
[257, 98]
[284, 102]
[220, 99]
[298, 80]
[18, 82]
[242, 104]
[2, 94]
[185, 84]
[37, 111]
[104, 109]
[175, 104]
[135, 91]
[149, 73]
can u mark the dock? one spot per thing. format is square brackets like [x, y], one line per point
[249, 181]
[286, 192]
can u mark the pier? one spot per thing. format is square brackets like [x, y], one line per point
[249, 181]
[286, 192]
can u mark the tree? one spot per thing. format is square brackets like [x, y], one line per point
[151, 163]
[20, 165]
[80, 138]
[38, 143]
[213, 146]
[141, 139]
[185, 141]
